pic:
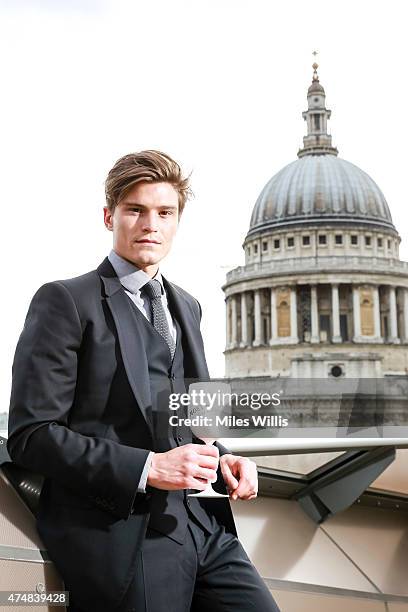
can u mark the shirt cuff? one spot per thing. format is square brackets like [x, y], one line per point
[141, 487]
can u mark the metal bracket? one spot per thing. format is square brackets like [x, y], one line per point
[339, 483]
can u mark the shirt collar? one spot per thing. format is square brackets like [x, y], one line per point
[130, 276]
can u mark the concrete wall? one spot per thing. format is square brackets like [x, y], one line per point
[356, 561]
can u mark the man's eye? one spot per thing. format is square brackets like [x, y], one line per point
[135, 209]
[166, 212]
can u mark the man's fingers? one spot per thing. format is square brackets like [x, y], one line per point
[229, 478]
[192, 454]
[209, 475]
[206, 449]
[244, 486]
[196, 483]
[244, 497]
[246, 492]
[248, 482]
[204, 461]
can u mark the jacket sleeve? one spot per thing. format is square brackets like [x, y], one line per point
[43, 391]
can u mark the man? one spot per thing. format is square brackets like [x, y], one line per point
[94, 366]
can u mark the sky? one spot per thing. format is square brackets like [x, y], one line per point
[220, 85]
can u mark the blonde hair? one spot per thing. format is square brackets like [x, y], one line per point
[150, 166]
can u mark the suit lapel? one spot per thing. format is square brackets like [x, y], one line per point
[130, 339]
[189, 323]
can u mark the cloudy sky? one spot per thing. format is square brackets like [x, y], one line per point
[218, 84]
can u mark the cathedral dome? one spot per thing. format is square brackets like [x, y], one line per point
[320, 189]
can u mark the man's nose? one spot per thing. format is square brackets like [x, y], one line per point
[150, 223]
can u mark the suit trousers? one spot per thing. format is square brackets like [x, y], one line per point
[207, 573]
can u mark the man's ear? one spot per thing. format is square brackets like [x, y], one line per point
[108, 218]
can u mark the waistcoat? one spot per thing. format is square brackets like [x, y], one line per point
[169, 510]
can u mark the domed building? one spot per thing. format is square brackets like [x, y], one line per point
[322, 292]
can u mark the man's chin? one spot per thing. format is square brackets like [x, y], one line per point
[150, 257]
[149, 260]
[139, 261]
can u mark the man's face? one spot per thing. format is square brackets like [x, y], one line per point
[144, 224]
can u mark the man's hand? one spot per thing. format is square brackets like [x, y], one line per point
[186, 467]
[240, 475]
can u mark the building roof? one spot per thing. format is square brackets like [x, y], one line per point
[320, 189]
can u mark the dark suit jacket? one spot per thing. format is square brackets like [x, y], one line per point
[80, 415]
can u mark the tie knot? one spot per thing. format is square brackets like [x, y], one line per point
[153, 289]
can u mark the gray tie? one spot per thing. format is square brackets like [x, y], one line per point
[160, 324]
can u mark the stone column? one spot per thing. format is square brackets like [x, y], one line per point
[356, 314]
[336, 314]
[234, 322]
[377, 316]
[393, 326]
[293, 315]
[244, 320]
[228, 327]
[405, 303]
[258, 319]
[274, 318]
[315, 337]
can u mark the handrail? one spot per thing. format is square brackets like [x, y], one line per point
[291, 446]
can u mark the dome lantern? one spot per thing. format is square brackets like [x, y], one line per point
[317, 141]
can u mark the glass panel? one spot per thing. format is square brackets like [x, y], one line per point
[393, 479]
[296, 464]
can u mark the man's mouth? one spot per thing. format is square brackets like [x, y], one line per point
[147, 241]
